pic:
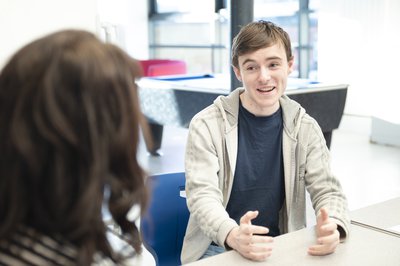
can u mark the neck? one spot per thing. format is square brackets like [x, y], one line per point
[258, 110]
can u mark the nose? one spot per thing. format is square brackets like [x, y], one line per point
[264, 74]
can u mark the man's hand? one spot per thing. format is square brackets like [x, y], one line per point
[327, 235]
[247, 242]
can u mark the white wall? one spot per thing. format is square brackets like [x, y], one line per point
[127, 22]
[359, 44]
[21, 21]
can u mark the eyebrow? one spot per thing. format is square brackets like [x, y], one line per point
[266, 59]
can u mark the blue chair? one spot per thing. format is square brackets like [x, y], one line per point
[163, 226]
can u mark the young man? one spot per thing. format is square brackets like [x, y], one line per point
[250, 157]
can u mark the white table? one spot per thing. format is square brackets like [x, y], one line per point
[363, 247]
[384, 217]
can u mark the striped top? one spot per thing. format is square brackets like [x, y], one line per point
[28, 247]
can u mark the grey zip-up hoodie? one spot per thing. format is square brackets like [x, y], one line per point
[210, 162]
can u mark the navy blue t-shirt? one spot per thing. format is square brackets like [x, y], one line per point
[258, 182]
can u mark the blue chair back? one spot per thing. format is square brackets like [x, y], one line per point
[163, 226]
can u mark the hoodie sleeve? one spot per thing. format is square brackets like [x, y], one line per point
[324, 188]
[203, 186]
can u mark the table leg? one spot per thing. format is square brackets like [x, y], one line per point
[154, 143]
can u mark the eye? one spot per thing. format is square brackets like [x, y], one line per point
[251, 68]
[274, 65]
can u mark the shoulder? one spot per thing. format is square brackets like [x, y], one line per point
[37, 247]
[213, 113]
[296, 113]
[210, 112]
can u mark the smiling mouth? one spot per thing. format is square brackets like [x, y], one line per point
[266, 90]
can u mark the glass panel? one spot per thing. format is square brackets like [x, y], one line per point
[182, 33]
[275, 8]
[199, 26]
[201, 57]
[186, 6]
[198, 37]
[313, 6]
[283, 13]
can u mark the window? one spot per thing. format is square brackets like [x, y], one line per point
[296, 17]
[193, 31]
[187, 6]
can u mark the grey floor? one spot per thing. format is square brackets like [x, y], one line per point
[369, 173]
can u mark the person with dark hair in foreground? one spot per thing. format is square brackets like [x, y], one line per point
[69, 129]
[251, 156]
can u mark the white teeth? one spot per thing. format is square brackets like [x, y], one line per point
[266, 90]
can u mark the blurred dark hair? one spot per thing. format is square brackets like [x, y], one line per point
[257, 35]
[69, 127]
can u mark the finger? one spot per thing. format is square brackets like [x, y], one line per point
[261, 239]
[326, 245]
[329, 239]
[324, 214]
[320, 250]
[260, 249]
[259, 256]
[257, 229]
[245, 228]
[329, 227]
[253, 229]
[250, 215]
[316, 250]
[255, 251]
[326, 229]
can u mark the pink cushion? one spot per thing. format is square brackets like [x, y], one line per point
[162, 67]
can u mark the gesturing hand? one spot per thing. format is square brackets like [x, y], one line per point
[247, 242]
[328, 236]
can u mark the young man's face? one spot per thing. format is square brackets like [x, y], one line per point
[264, 75]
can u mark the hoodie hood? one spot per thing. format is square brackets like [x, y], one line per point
[229, 107]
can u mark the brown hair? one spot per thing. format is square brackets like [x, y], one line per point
[257, 35]
[69, 127]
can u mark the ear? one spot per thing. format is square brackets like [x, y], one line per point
[237, 73]
[291, 65]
